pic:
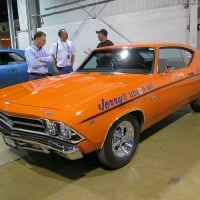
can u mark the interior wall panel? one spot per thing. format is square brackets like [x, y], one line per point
[101, 8]
[165, 24]
[126, 21]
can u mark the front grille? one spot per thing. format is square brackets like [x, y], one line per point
[12, 124]
[23, 124]
[34, 134]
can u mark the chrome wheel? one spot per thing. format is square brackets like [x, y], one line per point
[121, 142]
[123, 139]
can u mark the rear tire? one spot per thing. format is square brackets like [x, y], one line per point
[195, 105]
[121, 143]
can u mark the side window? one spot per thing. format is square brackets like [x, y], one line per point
[7, 58]
[173, 58]
[16, 57]
[4, 57]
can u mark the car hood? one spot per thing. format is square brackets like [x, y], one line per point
[64, 91]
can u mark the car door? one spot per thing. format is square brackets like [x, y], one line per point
[173, 79]
[13, 68]
[8, 72]
[20, 66]
[8, 75]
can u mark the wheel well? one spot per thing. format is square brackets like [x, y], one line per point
[140, 117]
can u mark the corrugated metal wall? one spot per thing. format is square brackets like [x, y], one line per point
[62, 11]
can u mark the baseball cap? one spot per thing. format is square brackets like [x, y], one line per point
[102, 31]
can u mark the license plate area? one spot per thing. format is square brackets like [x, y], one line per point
[10, 142]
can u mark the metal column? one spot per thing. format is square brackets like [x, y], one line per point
[193, 9]
[11, 24]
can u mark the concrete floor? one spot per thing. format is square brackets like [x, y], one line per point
[165, 167]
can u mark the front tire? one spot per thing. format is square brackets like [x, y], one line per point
[121, 143]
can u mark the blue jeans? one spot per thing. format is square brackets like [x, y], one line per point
[65, 70]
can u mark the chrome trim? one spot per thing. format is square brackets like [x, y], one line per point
[29, 133]
[6, 119]
[36, 126]
[68, 151]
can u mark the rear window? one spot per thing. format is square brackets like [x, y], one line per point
[174, 57]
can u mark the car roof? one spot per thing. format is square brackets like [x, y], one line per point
[153, 45]
[19, 51]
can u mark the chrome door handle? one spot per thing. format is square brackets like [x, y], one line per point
[191, 73]
[153, 98]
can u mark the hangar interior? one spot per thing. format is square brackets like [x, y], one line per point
[126, 21]
[167, 164]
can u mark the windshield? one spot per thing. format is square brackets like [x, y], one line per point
[125, 60]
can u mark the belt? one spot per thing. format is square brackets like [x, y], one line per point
[37, 74]
[63, 66]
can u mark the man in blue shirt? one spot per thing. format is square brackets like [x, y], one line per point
[37, 57]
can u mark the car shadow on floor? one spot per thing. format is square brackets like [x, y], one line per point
[71, 169]
[79, 168]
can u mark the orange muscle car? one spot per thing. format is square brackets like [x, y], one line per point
[104, 105]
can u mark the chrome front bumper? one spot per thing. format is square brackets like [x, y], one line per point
[44, 145]
[31, 134]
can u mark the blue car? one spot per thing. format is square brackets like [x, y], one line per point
[13, 67]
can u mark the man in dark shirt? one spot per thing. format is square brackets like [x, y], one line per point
[102, 36]
[103, 61]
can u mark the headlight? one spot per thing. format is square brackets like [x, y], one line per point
[64, 131]
[60, 130]
[50, 127]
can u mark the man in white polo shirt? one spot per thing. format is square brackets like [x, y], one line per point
[63, 52]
